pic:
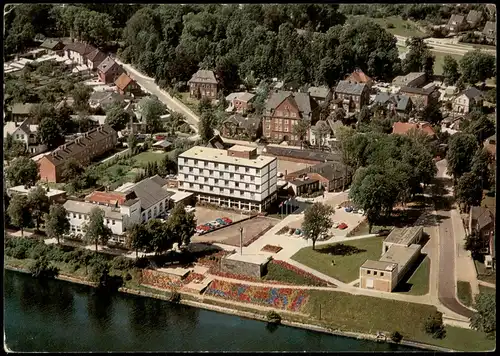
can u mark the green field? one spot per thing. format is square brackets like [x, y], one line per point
[439, 61]
[464, 293]
[276, 272]
[487, 290]
[401, 27]
[418, 283]
[348, 257]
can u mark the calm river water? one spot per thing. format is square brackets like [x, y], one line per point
[59, 316]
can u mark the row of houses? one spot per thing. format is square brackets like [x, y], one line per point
[459, 23]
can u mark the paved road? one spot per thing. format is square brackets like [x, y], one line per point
[148, 84]
[445, 45]
[447, 253]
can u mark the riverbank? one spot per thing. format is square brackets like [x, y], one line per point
[250, 311]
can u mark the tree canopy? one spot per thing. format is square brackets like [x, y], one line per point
[317, 221]
[22, 171]
[56, 222]
[461, 149]
[477, 66]
[95, 229]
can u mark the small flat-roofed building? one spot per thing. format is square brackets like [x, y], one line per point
[236, 177]
[413, 79]
[54, 195]
[378, 275]
[403, 237]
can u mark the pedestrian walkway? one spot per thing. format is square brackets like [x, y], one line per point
[486, 284]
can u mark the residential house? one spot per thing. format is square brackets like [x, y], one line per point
[482, 223]
[95, 58]
[490, 30]
[83, 149]
[412, 80]
[203, 84]
[473, 18]
[351, 96]
[400, 104]
[468, 100]
[402, 128]
[96, 119]
[54, 195]
[77, 51]
[300, 156]
[421, 97]
[332, 176]
[456, 23]
[239, 102]
[53, 46]
[27, 133]
[104, 99]
[218, 142]
[490, 144]
[236, 178]
[358, 76]
[127, 85]
[282, 111]
[302, 185]
[328, 139]
[239, 126]
[109, 70]
[322, 94]
[164, 145]
[19, 112]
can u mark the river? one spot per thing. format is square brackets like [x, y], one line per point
[60, 316]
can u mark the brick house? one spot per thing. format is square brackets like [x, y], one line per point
[358, 76]
[482, 222]
[77, 51]
[95, 58]
[352, 97]
[127, 85]
[240, 102]
[332, 176]
[321, 94]
[239, 126]
[421, 97]
[203, 84]
[402, 128]
[109, 70]
[283, 110]
[467, 100]
[91, 144]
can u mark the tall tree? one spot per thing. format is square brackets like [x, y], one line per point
[161, 233]
[81, 95]
[419, 57]
[481, 166]
[95, 230]
[300, 129]
[461, 149]
[39, 204]
[317, 221]
[151, 109]
[182, 223]
[71, 170]
[477, 66]
[469, 191]
[50, 132]
[205, 126]
[450, 70]
[13, 148]
[56, 222]
[138, 237]
[480, 126]
[19, 212]
[117, 117]
[321, 131]
[22, 171]
[485, 318]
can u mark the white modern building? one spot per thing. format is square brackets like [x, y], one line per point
[130, 204]
[235, 178]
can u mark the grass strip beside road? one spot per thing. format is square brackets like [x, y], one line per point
[487, 290]
[348, 257]
[464, 292]
[418, 282]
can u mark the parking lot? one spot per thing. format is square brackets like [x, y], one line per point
[204, 215]
[231, 235]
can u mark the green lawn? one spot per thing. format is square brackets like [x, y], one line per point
[439, 61]
[144, 158]
[368, 314]
[348, 257]
[276, 272]
[464, 292]
[190, 102]
[485, 274]
[487, 290]
[401, 27]
[418, 283]
[362, 229]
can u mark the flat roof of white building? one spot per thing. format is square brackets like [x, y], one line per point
[80, 207]
[400, 255]
[241, 148]
[22, 190]
[403, 236]
[220, 156]
[179, 196]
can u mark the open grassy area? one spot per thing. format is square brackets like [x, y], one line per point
[402, 27]
[439, 61]
[190, 102]
[348, 257]
[275, 272]
[418, 281]
[464, 292]
[368, 314]
[487, 290]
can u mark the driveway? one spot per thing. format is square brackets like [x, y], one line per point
[148, 84]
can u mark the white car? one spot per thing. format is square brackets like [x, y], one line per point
[361, 212]
[215, 223]
[189, 209]
[335, 224]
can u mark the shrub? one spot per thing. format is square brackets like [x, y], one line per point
[175, 297]
[42, 268]
[273, 317]
[75, 267]
[396, 336]
[56, 254]
[19, 252]
[142, 262]
[434, 325]
[128, 277]
[38, 251]
[390, 25]
[97, 269]
[122, 263]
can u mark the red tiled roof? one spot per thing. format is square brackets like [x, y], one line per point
[359, 76]
[123, 81]
[106, 198]
[401, 128]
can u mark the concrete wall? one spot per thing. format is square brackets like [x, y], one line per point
[244, 268]
[385, 283]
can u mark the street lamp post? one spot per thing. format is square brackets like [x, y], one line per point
[241, 240]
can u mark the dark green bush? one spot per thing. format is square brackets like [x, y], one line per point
[122, 263]
[19, 252]
[434, 325]
[38, 251]
[142, 262]
[396, 336]
[273, 317]
[128, 277]
[390, 25]
[42, 268]
[55, 253]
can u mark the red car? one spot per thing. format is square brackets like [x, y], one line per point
[342, 226]
[227, 220]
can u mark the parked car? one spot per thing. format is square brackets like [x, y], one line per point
[361, 212]
[354, 211]
[215, 223]
[221, 221]
[298, 232]
[189, 209]
[342, 226]
[229, 221]
[335, 224]
[348, 209]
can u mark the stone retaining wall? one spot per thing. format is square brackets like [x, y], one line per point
[244, 268]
